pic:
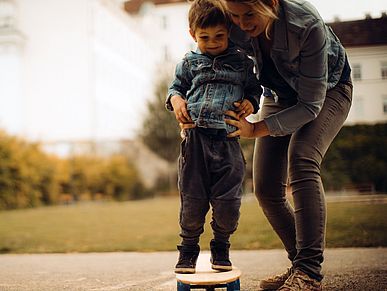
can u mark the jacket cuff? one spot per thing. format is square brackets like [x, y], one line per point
[168, 104]
[274, 127]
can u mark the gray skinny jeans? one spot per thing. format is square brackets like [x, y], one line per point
[298, 157]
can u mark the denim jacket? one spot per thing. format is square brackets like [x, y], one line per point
[306, 53]
[212, 84]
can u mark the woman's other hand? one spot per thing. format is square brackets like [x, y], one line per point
[184, 126]
[244, 108]
[179, 106]
[245, 128]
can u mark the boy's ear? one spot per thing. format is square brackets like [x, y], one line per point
[192, 34]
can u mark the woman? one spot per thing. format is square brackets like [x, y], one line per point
[306, 78]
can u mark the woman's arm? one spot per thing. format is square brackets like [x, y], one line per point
[311, 84]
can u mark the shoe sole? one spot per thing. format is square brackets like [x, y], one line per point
[270, 285]
[184, 270]
[221, 268]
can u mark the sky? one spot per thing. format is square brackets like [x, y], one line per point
[349, 9]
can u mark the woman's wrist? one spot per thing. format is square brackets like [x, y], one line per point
[260, 129]
[253, 126]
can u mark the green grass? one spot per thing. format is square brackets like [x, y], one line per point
[152, 225]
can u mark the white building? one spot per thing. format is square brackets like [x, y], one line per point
[74, 69]
[12, 43]
[366, 44]
[164, 23]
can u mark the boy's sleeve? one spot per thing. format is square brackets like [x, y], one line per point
[253, 89]
[180, 85]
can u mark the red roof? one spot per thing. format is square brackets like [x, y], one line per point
[133, 6]
[365, 32]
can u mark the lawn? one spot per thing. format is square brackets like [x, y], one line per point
[152, 225]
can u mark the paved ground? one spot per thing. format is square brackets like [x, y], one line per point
[346, 269]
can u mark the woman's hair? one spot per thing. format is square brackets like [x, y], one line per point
[207, 13]
[268, 8]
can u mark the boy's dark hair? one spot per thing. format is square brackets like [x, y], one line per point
[206, 13]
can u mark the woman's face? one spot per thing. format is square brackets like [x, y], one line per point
[247, 18]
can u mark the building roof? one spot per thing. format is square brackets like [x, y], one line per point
[133, 6]
[365, 32]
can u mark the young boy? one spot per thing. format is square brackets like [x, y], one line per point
[211, 165]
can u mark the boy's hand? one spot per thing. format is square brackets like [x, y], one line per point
[180, 109]
[244, 108]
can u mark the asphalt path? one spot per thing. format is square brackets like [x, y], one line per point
[345, 269]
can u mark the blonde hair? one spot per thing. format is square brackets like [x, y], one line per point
[267, 8]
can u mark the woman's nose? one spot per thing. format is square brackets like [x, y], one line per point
[243, 24]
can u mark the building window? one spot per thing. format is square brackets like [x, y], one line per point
[385, 104]
[166, 54]
[356, 72]
[164, 22]
[358, 106]
[383, 69]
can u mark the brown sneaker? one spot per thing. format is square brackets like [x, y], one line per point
[299, 281]
[276, 281]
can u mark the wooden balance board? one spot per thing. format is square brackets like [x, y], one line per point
[207, 278]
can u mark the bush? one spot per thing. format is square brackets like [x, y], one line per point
[29, 177]
[357, 156]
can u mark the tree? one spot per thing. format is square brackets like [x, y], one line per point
[160, 129]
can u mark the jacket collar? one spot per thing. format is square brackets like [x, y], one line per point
[280, 36]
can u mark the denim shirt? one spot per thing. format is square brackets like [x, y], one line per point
[212, 84]
[306, 53]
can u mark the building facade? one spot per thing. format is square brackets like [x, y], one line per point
[75, 69]
[366, 44]
[12, 42]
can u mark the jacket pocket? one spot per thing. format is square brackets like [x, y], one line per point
[200, 65]
[234, 67]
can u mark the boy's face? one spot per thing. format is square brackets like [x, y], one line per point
[211, 40]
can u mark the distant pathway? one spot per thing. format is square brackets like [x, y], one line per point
[350, 269]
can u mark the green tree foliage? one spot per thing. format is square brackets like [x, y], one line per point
[27, 176]
[160, 131]
[358, 156]
[120, 179]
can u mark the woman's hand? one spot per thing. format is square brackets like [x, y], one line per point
[245, 128]
[244, 108]
[179, 106]
[184, 126]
